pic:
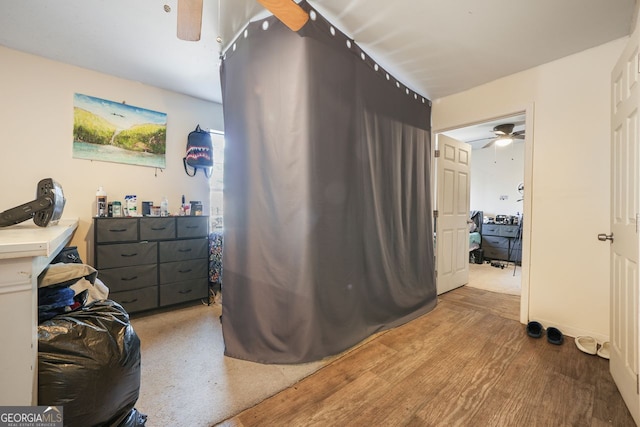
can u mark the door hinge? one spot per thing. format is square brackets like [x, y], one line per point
[435, 213]
[637, 221]
[436, 153]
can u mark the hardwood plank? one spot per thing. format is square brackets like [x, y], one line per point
[306, 395]
[516, 396]
[507, 306]
[559, 411]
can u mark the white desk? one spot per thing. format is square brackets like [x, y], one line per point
[25, 250]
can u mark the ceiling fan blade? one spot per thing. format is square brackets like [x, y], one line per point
[287, 11]
[481, 139]
[518, 136]
[189, 19]
[489, 144]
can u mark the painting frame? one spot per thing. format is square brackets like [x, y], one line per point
[117, 132]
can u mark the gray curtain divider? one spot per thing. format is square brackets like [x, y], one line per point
[328, 235]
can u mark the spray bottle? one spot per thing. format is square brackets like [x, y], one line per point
[164, 207]
[101, 202]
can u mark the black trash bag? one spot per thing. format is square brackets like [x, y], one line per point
[68, 255]
[89, 363]
[135, 419]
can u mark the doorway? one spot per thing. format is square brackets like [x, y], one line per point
[500, 176]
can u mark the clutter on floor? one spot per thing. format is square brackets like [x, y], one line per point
[534, 329]
[554, 335]
[589, 345]
[88, 352]
[604, 349]
[89, 363]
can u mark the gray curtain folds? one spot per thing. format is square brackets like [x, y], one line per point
[328, 234]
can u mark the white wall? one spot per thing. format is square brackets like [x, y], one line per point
[36, 108]
[495, 173]
[568, 278]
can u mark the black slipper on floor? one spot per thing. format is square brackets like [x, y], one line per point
[554, 336]
[534, 329]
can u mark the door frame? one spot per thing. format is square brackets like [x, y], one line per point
[527, 208]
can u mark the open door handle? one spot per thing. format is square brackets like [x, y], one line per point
[604, 237]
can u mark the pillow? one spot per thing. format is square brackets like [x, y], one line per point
[64, 274]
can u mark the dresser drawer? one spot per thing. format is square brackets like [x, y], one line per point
[495, 242]
[495, 253]
[508, 230]
[129, 278]
[193, 226]
[116, 230]
[126, 254]
[183, 270]
[181, 250]
[188, 290]
[490, 229]
[137, 300]
[157, 228]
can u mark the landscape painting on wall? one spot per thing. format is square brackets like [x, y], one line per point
[116, 132]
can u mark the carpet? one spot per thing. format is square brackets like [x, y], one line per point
[494, 279]
[187, 381]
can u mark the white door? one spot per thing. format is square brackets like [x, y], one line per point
[625, 245]
[452, 204]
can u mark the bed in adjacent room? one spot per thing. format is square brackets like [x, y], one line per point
[475, 235]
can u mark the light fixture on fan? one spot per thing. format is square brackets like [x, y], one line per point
[503, 140]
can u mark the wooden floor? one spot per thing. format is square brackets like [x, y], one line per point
[467, 363]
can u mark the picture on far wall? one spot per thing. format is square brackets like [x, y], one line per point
[110, 131]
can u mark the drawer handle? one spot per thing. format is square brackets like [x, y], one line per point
[184, 250]
[158, 228]
[129, 301]
[125, 279]
[193, 226]
[185, 271]
[117, 230]
[188, 291]
[129, 255]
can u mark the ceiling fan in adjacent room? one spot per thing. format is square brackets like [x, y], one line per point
[504, 135]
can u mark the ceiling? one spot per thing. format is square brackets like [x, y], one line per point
[435, 47]
[479, 135]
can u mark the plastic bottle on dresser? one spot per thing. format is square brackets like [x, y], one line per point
[101, 202]
[164, 207]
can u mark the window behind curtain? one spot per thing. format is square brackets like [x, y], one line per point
[216, 183]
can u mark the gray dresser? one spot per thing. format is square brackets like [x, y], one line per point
[501, 242]
[151, 262]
